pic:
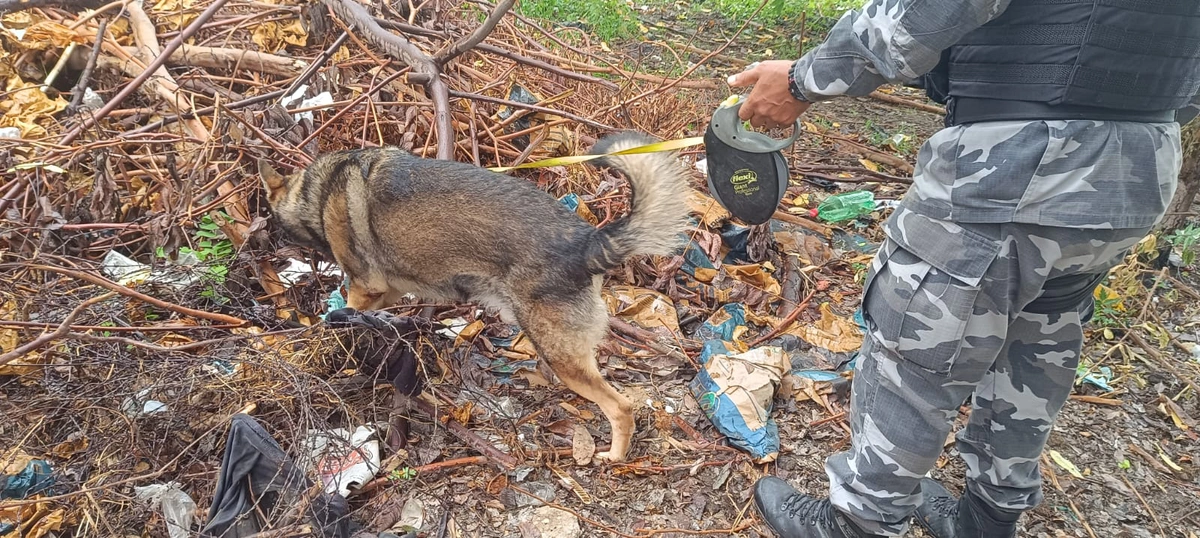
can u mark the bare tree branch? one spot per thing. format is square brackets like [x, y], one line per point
[423, 66]
[452, 51]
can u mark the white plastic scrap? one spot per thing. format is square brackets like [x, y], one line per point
[10, 132]
[178, 508]
[137, 406]
[345, 461]
[323, 98]
[297, 269]
[127, 271]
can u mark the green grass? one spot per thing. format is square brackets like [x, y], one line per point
[615, 20]
[606, 19]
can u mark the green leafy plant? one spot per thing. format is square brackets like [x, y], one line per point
[213, 250]
[1107, 310]
[1187, 240]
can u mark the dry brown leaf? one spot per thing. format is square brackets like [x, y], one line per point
[272, 37]
[704, 206]
[27, 108]
[44, 35]
[583, 447]
[70, 447]
[832, 332]
[754, 275]
[33, 521]
[176, 13]
[647, 308]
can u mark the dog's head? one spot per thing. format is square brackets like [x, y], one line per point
[300, 218]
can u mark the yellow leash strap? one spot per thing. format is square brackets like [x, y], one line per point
[575, 159]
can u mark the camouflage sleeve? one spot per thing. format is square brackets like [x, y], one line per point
[886, 41]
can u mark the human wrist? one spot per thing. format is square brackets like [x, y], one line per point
[795, 84]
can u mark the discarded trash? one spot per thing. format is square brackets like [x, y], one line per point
[646, 308]
[844, 206]
[91, 99]
[831, 332]
[137, 405]
[453, 327]
[296, 270]
[32, 478]
[736, 392]
[10, 132]
[323, 98]
[574, 203]
[726, 324]
[345, 461]
[386, 346]
[177, 507]
[258, 480]
[1099, 378]
[126, 271]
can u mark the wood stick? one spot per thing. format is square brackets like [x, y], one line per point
[150, 71]
[1096, 400]
[650, 339]
[86, 75]
[62, 330]
[401, 49]
[803, 223]
[460, 431]
[476, 37]
[1163, 361]
[1153, 515]
[535, 108]
[892, 99]
[787, 322]
[106, 283]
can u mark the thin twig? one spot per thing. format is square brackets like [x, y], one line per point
[85, 76]
[150, 71]
[1162, 361]
[892, 99]
[106, 283]
[581, 517]
[62, 330]
[1153, 515]
[460, 431]
[452, 51]
[787, 322]
[535, 108]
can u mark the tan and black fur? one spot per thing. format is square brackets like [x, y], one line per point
[397, 224]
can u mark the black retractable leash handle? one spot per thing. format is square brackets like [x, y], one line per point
[747, 173]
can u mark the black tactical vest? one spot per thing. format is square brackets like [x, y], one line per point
[1131, 60]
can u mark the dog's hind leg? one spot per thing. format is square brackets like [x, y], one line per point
[566, 335]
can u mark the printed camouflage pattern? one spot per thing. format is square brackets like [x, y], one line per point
[996, 211]
[944, 304]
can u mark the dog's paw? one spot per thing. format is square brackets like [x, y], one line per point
[607, 457]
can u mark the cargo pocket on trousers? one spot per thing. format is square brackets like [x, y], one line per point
[917, 308]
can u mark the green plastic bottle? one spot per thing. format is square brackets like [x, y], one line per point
[844, 206]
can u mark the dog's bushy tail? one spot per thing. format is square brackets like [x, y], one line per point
[658, 217]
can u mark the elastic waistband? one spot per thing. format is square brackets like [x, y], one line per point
[963, 110]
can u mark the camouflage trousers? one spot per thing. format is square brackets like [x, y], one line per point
[958, 310]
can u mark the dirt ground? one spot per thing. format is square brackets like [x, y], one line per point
[75, 402]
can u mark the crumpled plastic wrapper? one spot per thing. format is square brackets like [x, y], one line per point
[736, 392]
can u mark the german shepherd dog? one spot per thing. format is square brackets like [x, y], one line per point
[450, 231]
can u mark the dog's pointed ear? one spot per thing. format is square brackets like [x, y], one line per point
[272, 180]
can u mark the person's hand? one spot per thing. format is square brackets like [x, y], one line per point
[770, 104]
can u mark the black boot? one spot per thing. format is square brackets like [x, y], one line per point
[944, 516]
[791, 514]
